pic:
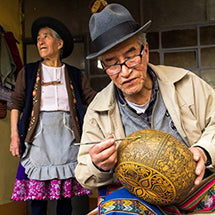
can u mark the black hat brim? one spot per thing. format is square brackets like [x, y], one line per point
[118, 41]
[57, 26]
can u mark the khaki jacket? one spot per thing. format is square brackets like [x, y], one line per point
[189, 100]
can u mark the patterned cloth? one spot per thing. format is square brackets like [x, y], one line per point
[123, 202]
[201, 200]
[27, 189]
[47, 190]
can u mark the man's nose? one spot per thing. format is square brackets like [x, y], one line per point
[125, 71]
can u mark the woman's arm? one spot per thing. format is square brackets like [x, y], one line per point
[14, 144]
[17, 105]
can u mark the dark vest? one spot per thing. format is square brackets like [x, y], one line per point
[31, 74]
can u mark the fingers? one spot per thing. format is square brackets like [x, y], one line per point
[104, 155]
[14, 147]
[200, 158]
[104, 145]
[109, 163]
[14, 151]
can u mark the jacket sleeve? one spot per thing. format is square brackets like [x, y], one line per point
[206, 116]
[197, 110]
[86, 173]
[18, 96]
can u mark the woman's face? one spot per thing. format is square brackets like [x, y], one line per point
[48, 45]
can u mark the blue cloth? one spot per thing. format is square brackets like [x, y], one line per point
[122, 202]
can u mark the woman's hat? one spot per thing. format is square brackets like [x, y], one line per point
[57, 26]
[113, 25]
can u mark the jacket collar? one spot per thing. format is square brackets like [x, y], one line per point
[168, 74]
[105, 100]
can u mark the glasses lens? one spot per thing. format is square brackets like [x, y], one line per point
[113, 69]
[130, 63]
[133, 61]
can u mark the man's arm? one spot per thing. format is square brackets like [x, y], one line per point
[203, 149]
[95, 162]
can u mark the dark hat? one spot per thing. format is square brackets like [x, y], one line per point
[113, 25]
[57, 26]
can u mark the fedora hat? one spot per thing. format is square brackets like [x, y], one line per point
[113, 25]
[57, 26]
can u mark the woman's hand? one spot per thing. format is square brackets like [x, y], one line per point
[14, 144]
[104, 154]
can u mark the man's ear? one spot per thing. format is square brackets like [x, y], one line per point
[60, 44]
[146, 50]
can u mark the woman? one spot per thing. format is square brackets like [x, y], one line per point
[50, 96]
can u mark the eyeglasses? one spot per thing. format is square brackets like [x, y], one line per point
[130, 63]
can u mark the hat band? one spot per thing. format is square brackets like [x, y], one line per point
[117, 32]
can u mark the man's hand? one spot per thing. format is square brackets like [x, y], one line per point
[104, 154]
[200, 158]
[14, 145]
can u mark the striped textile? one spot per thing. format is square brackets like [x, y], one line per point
[200, 200]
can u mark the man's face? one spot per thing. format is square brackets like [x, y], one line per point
[130, 81]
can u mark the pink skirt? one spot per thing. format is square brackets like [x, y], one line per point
[28, 189]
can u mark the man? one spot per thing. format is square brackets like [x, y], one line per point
[140, 96]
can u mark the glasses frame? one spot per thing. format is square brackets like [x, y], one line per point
[124, 63]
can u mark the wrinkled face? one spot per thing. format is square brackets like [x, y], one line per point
[47, 44]
[130, 81]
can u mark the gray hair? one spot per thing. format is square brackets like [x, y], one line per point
[141, 37]
[57, 36]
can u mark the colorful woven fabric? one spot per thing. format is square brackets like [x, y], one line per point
[202, 199]
[106, 190]
[28, 189]
[123, 202]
